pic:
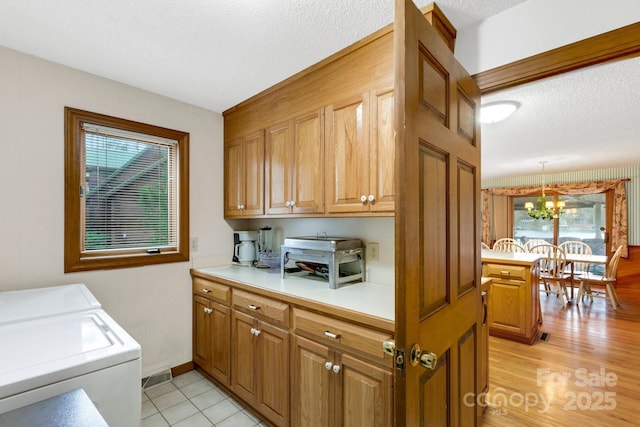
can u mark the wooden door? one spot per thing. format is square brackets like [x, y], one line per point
[273, 373]
[253, 174]
[201, 332]
[437, 217]
[220, 337]
[233, 180]
[308, 164]
[347, 133]
[382, 151]
[365, 394]
[311, 394]
[279, 168]
[244, 356]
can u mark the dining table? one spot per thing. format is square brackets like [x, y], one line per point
[583, 258]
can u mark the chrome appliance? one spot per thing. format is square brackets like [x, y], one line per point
[325, 257]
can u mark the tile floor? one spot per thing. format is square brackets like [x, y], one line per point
[190, 400]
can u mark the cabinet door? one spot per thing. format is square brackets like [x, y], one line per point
[220, 324]
[273, 373]
[382, 151]
[278, 168]
[311, 385]
[201, 333]
[233, 180]
[507, 306]
[308, 164]
[347, 150]
[253, 174]
[365, 394]
[244, 351]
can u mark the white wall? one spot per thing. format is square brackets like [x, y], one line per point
[536, 26]
[152, 303]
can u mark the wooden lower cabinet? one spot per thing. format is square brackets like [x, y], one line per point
[261, 366]
[514, 305]
[333, 388]
[292, 366]
[212, 338]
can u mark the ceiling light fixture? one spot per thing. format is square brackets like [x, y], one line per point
[546, 210]
[497, 111]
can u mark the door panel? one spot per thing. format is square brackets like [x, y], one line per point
[244, 351]
[382, 151]
[347, 131]
[366, 394]
[278, 152]
[202, 333]
[232, 177]
[310, 405]
[437, 174]
[253, 163]
[220, 342]
[308, 179]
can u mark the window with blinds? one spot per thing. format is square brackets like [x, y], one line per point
[128, 204]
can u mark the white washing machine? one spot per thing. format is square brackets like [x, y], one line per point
[59, 339]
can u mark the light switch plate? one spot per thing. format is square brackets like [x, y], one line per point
[373, 251]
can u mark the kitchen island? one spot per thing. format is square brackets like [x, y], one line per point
[292, 349]
[514, 303]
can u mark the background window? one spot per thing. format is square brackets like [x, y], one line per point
[126, 193]
[582, 219]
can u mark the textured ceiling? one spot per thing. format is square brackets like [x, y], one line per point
[585, 119]
[209, 53]
[215, 54]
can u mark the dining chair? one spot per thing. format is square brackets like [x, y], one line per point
[553, 269]
[484, 246]
[507, 244]
[607, 281]
[534, 242]
[576, 247]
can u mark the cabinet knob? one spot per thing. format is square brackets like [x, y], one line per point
[371, 198]
[336, 369]
[253, 307]
[363, 198]
[207, 310]
[253, 331]
[257, 332]
[287, 203]
[328, 366]
[206, 291]
[293, 203]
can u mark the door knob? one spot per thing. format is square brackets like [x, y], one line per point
[427, 359]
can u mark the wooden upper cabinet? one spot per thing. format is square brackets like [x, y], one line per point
[360, 153]
[294, 154]
[244, 176]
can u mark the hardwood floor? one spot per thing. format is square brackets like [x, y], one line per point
[586, 374]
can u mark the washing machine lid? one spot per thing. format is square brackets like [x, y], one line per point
[40, 352]
[36, 303]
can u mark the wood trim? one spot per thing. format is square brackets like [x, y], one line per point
[74, 259]
[614, 45]
[182, 369]
[629, 268]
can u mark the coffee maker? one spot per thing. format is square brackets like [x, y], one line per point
[245, 247]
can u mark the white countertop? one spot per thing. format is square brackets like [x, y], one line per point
[370, 298]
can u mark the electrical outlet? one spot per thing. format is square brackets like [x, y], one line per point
[373, 251]
[194, 244]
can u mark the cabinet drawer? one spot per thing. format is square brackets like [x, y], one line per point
[512, 272]
[262, 307]
[212, 290]
[333, 331]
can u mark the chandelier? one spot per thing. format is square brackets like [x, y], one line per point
[546, 209]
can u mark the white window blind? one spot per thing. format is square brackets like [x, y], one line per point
[129, 194]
